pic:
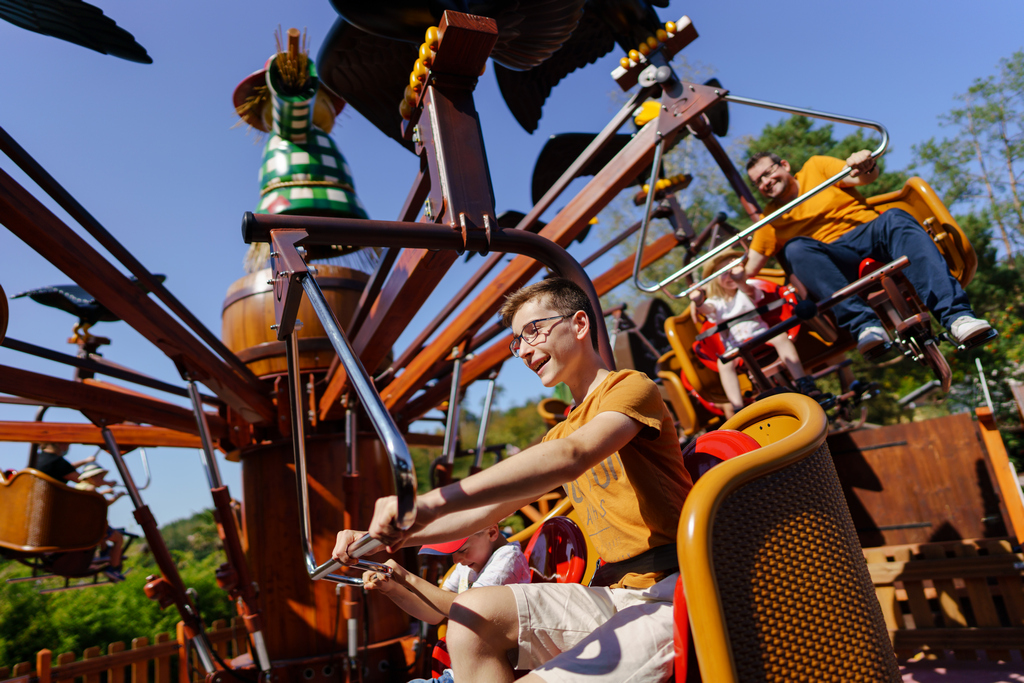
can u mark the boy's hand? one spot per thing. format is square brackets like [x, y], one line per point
[698, 297]
[738, 274]
[345, 539]
[385, 516]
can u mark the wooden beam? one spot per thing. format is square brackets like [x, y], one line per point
[562, 229]
[71, 432]
[94, 400]
[1011, 498]
[38, 227]
[498, 352]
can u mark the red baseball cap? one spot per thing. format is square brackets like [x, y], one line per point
[446, 548]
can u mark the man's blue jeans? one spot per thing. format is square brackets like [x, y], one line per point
[824, 268]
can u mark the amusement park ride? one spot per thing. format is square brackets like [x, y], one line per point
[324, 402]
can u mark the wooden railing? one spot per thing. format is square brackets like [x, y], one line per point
[143, 663]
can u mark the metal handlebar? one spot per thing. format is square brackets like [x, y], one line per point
[383, 423]
[693, 265]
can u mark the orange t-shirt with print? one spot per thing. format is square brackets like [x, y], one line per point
[826, 216]
[631, 501]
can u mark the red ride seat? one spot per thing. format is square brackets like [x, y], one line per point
[711, 347]
[557, 552]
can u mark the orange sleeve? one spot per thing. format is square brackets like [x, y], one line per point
[764, 241]
[824, 167]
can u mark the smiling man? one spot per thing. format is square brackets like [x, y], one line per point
[618, 457]
[824, 239]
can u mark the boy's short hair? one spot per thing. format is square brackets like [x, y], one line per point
[562, 294]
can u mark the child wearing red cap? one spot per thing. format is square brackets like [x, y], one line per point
[485, 558]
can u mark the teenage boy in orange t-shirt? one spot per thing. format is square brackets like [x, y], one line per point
[824, 239]
[617, 455]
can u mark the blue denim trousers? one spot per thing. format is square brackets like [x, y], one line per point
[824, 268]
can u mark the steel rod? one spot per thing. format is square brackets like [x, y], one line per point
[451, 428]
[101, 368]
[206, 454]
[485, 419]
[646, 220]
[163, 557]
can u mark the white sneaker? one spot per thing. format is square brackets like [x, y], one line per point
[965, 327]
[870, 337]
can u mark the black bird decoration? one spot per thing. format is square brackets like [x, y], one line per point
[76, 22]
[76, 301]
[368, 54]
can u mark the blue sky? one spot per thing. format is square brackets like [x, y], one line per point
[150, 149]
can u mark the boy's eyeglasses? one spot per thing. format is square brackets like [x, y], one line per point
[529, 333]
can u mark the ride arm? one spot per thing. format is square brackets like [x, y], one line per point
[417, 597]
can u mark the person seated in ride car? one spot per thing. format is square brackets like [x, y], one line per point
[485, 558]
[824, 239]
[731, 297]
[91, 479]
[618, 457]
[49, 460]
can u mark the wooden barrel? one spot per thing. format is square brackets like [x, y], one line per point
[248, 314]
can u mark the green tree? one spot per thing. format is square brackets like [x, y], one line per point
[980, 165]
[72, 621]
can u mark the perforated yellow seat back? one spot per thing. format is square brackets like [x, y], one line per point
[917, 198]
[41, 514]
[776, 583]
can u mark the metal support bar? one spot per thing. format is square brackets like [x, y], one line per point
[863, 123]
[485, 420]
[163, 558]
[394, 444]
[206, 453]
[451, 428]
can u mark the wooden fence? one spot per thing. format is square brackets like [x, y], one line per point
[955, 600]
[143, 663]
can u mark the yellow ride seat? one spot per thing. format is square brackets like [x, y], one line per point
[682, 333]
[776, 585]
[43, 515]
[917, 198]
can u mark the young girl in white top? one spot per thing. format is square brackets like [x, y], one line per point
[730, 296]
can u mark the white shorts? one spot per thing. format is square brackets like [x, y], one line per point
[569, 632]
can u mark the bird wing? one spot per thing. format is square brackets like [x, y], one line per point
[370, 72]
[531, 31]
[526, 91]
[76, 22]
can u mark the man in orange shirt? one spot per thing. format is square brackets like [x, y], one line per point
[824, 239]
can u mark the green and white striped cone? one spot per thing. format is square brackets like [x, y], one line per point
[303, 172]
